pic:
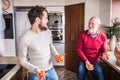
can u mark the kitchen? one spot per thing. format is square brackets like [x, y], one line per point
[92, 8]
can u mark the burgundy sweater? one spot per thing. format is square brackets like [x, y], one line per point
[89, 48]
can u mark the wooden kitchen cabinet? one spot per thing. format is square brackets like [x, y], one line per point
[24, 74]
[21, 74]
[74, 24]
[109, 72]
[18, 75]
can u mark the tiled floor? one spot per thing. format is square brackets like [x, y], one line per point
[64, 74]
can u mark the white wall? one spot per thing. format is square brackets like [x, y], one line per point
[40, 2]
[105, 12]
[55, 9]
[91, 9]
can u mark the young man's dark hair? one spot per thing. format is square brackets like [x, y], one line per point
[37, 11]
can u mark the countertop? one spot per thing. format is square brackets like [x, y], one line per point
[12, 72]
[112, 61]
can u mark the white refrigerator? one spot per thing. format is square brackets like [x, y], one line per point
[22, 23]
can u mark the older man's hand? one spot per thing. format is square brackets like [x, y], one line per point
[105, 55]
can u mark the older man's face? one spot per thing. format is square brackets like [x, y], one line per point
[93, 26]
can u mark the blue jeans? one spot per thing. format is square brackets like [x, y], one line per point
[97, 72]
[50, 75]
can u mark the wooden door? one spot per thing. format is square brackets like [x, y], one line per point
[74, 22]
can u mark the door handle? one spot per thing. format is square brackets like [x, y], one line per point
[72, 37]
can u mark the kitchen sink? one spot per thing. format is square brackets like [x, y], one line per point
[5, 68]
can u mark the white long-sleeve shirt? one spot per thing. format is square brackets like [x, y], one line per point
[35, 50]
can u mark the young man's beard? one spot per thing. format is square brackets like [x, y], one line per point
[43, 28]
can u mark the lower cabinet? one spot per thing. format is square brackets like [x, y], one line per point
[18, 75]
[24, 74]
[109, 72]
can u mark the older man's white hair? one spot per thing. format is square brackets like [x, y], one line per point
[97, 19]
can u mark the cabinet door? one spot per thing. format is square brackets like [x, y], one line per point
[109, 72]
[74, 20]
[18, 75]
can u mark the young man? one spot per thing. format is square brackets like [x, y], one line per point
[35, 46]
[90, 45]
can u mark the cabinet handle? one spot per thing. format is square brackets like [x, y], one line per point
[73, 37]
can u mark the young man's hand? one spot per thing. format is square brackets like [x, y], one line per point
[59, 57]
[40, 73]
